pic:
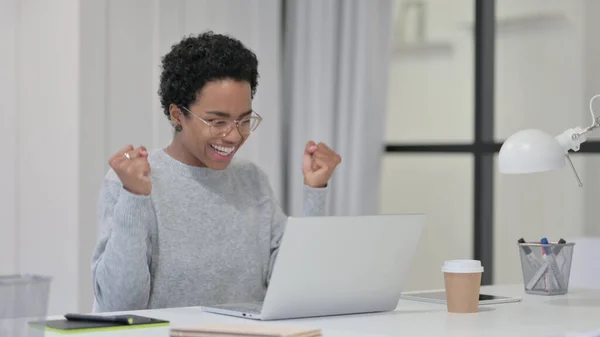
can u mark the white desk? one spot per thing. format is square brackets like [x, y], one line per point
[553, 316]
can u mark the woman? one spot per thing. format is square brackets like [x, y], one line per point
[186, 225]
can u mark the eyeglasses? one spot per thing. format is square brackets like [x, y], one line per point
[222, 127]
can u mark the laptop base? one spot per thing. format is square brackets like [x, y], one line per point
[245, 310]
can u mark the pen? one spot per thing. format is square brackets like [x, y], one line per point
[533, 261]
[554, 270]
[548, 284]
[100, 319]
[560, 258]
[558, 248]
[535, 264]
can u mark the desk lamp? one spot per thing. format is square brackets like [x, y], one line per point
[533, 150]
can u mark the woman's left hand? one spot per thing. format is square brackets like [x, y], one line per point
[318, 164]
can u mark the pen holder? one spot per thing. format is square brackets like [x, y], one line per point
[23, 299]
[546, 267]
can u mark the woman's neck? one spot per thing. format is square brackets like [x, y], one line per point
[178, 152]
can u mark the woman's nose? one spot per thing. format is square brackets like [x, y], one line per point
[233, 136]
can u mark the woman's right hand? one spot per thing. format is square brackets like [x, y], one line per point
[132, 167]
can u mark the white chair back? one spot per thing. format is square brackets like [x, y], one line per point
[585, 268]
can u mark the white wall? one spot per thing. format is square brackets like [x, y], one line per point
[81, 82]
[546, 66]
[441, 187]
[8, 138]
[39, 136]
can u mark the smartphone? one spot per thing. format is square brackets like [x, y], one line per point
[440, 297]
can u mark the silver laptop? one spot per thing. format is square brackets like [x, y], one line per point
[336, 265]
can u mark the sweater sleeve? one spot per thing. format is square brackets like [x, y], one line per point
[315, 201]
[121, 260]
[314, 205]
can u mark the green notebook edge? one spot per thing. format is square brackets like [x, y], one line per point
[103, 329]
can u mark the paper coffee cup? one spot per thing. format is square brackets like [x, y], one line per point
[462, 279]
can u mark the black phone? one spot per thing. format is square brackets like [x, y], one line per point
[440, 297]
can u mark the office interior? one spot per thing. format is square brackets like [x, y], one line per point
[446, 81]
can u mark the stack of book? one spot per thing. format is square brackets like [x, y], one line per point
[244, 330]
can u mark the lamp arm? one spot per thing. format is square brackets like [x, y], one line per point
[595, 121]
[595, 125]
[571, 139]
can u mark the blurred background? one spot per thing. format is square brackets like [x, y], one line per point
[416, 95]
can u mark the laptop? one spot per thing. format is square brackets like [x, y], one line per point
[336, 265]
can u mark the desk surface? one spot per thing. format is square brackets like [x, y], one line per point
[544, 316]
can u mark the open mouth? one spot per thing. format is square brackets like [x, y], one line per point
[222, 150]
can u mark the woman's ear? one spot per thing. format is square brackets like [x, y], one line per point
[176, 114]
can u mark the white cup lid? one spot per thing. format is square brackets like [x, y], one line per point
[462, 266]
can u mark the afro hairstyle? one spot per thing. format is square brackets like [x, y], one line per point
[197, 60]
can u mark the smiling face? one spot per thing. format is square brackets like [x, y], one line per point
[223, 100]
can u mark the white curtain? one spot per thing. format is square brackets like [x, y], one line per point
[336, 61]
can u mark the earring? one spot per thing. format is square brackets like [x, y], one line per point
[178, 128]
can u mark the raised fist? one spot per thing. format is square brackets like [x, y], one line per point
[318, 164]
[132, 167]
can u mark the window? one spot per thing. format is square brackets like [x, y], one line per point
[470, 75]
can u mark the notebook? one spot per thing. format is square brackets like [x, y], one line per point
[244, 330]
[63, 326]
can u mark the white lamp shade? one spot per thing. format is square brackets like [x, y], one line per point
[529, 151]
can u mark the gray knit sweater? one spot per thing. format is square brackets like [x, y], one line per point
[202, 237]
